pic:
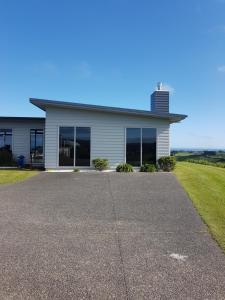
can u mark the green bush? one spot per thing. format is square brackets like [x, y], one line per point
[167, 163]
[148, 168]
[124, 168]
[76, 170]
[100, 164]
[6, 158]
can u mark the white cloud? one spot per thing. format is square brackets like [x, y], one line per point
[83, 70]
[202, 138]
[168, 87]
[222, 28]
[218, 28]
[221, 69]
[45, 67]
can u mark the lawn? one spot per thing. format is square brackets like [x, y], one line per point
[12, 176]
[206, 187]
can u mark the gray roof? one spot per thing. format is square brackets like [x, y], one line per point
[43, 104]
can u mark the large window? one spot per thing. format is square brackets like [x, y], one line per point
[83, 139]
[66, 146]
[140, 146]
[37, 145]
[6, 139]
[148, 145]
[133, 146]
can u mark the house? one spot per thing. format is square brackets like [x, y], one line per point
[72, 134]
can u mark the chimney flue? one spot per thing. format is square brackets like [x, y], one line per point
[159, 86]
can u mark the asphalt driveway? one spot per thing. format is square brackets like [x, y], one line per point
[105, 236]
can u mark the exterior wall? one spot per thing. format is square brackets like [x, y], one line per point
[107, 133]
[21, 134]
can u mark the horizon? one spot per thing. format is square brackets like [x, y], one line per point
[197, 149]
[113, 54]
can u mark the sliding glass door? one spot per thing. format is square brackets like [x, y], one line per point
[133, 148]
[148, 145]
[83, 146]
[140, 146]
[74, 142]
[66, 146]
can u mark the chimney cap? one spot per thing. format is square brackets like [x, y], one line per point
[159, 86]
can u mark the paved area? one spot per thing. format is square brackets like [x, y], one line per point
[105, 236]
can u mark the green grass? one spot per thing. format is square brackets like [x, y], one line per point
[206, 187]
[12, 176]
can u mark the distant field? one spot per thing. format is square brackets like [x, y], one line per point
[204, 157]
[184, 154]
[206, 187]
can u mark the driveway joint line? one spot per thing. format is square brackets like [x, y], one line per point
[118, 239]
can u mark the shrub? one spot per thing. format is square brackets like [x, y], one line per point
[6, 158]
[167, 163]
[76, 170]
[124, 168]
[100, 164]
[148, 168]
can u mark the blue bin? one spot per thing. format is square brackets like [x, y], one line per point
[20, 161]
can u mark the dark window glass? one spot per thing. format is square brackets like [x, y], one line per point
[66, 146]
[37, 145]
[83, 141]
[148, 145]
[6, 139]
[133, 146]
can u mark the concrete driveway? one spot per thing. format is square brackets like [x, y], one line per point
[105, 236]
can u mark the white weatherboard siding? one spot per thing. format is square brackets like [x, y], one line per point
[21, 135]
[107, 133]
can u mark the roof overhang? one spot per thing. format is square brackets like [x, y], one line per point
[11, 118]
[44, 104]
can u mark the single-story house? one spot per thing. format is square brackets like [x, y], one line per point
[72, 134]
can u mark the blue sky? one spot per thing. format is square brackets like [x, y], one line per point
[112, 52]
